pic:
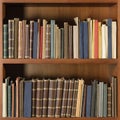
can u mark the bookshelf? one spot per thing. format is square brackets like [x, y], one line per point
[89, 69]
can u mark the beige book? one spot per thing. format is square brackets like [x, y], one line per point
[114, 37]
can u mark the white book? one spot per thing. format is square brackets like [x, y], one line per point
[4, 100]
[76, 38]
[114, 36]
[104, 41]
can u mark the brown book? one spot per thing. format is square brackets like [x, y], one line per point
[21, 98]
[34, 89]
[17, 97]
[39, 96]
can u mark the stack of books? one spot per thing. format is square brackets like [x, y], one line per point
[59, 98]
[42, 39]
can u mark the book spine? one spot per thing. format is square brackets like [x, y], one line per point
[4, 100]
[70, 98]
[39, 96]
[59, 97]
[52, 98]
[27, 98]
[45, 97]
[34, 86]
[5, 41]
[35, 40]
[65, 98]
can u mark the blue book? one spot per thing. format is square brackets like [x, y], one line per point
[35, 35]
[105, 100]
[52, 38]
[85, 38]
[109, 24]
[27, 99]
[81, 41]
[88, 101]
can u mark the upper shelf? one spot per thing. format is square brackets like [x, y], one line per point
[59, 61]
[60, 1]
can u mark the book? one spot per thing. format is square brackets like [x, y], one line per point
[27, 42]
[70, 42]
[65, 98]
[34, 89]
[109, 101]
[62, 43]
[52, 97]
[74, 102]
[39, 96]
[88, 101]
[81, 42]
[4, 100]
[38, 38]
[20, 42]
[35, 39]
[5, 41]
[85, 39]
[10, 38]
[16, 25]
[27, 98]
[52, 22]
[59, 95]
[41, 41]
[70, 98]
[45, 97]
[21, 97]
[48, 44]
[75, 38]
[66, 32]
[31, 37]
[114, 39]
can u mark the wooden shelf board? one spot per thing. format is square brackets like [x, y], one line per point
[59, 61]
[60, 1]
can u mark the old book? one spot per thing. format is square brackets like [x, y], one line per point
[48, 44]
[20, 42]
[66, 33]
[34, 89]
[65, 98]
[38, 39]
[31, 37]
[41, 41]
[62, 43]
[16, 24]
[4, 100]
[35, 39]
[39, 96]
[21, 97]
[93, 97]
[5, 40]
[52, 98]
[27, 42]
[10, 38]
[70, 42]
[74, 102]
[79, 98]
[52, 22]
[85, 39]
[76, 38]
[27, 98]
[59, 93]
[88, 101]
[70, 98]
[44, 38]
[45, 97]
[109, 102]
[114, 39]
[17, 96]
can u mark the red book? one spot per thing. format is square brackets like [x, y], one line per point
[41, 40]
[96, 39]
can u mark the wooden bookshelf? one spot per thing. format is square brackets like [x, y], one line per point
[60, 11]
